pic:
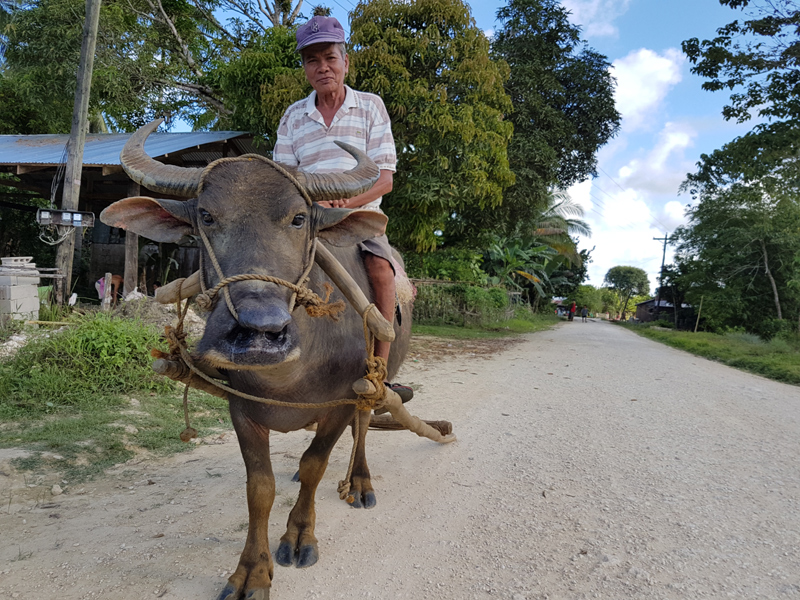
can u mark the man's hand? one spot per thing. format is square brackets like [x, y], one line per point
[342, 203]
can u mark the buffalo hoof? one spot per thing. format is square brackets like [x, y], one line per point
[365, 500]
[285, 554]
[308, 555]
[296, 476]
[228, 593]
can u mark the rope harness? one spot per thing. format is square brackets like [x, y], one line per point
[314, 305]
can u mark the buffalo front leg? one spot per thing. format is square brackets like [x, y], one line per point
[299, 543]
[253, 576]
[361, 490]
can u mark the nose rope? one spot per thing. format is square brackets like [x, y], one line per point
[301, 282]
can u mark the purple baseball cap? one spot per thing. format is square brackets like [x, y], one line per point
[318, 30]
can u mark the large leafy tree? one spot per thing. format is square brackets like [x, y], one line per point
[154, 57]
[627, 282]
[563, 111]
[738, 252]
[431, 65]
[758, 60]
[740, 249]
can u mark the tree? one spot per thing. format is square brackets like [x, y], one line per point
[430, 63]
[758, 59]
[588, 296]
[738, 252]
[158, 57]
[562, 94]
[627, 281]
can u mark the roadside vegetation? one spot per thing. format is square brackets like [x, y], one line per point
[778, 358]
[83, 398]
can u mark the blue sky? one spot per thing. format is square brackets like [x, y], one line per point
[668, 121]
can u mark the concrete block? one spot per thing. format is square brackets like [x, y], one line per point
[16, 261]
[11, 307]
[28, 280]
[8, 280]
[18, 292]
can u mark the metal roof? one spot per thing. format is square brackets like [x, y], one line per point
[101, 148]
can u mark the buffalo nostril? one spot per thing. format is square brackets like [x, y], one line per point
[271, 320]
[278, 337]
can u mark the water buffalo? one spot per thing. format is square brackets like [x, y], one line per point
[258, 222]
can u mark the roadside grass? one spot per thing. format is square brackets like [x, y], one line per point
[522, 323]
[777, 359]
[84, 398]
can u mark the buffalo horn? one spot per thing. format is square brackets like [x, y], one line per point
[335, 186]
[165, 179]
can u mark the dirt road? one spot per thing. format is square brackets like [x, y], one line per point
[590, 463]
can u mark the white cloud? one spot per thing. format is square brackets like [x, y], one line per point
[644, 78]
[580, 194]
[664, 168]
[674, 214]
[623, 227]
[596, 17]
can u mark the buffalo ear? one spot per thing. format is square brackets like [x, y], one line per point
[345, 227]
[158, 220]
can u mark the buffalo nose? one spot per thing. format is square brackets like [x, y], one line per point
[265, 319]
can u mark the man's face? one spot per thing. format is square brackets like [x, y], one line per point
[325, 67]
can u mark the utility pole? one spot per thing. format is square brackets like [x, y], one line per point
[661, 278]
[77, 137]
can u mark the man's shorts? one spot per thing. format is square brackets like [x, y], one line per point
[378, 246]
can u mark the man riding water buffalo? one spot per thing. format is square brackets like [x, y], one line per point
[335, 112]
[259, 223]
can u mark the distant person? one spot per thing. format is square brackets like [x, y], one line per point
[584, 314]
[156, 285]
[572, 308]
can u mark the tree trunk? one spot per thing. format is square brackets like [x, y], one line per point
[625, 306]
[771, 281]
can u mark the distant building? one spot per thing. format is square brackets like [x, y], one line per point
[647, 311]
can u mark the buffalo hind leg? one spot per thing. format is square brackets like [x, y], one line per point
[253, 576]
[299, 542]
[361, 488]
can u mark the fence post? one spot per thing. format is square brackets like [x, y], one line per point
[106, 306]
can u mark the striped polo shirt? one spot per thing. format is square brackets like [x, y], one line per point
[304, 141]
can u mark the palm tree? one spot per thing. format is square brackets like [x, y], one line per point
[559, 221]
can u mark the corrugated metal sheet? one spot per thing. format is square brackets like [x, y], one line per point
[100, 149]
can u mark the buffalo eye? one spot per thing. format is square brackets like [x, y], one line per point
[298, 221]
[206, 217]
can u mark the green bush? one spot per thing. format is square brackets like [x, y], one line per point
[459, 304]
[662, 323]
[91, 362]
[770, 328]
[447, 264]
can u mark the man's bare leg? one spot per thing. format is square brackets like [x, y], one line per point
[381, 277]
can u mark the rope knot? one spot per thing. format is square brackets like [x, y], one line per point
[320, 307]
[204, 301]
[176, 338]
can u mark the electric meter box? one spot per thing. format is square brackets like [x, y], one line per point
[49, 216]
